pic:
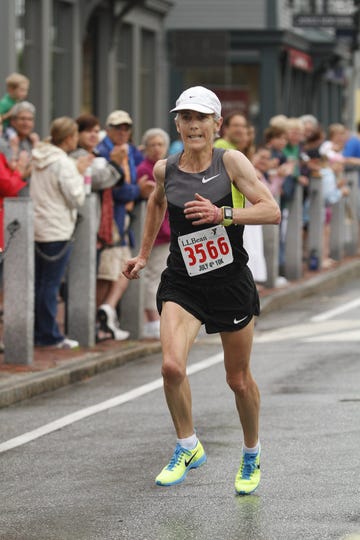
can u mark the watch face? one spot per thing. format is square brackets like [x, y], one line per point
[228, 213]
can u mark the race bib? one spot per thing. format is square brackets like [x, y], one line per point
[206, 250]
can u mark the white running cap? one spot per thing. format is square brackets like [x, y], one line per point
[198, 99]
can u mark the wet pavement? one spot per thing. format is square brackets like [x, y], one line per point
[53, 368]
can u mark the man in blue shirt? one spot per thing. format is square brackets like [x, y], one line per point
[111, 282]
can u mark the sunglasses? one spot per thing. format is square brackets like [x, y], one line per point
[122, 127]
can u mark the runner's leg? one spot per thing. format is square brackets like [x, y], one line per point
[237, 351]
[178, 330]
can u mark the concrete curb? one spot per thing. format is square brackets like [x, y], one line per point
[78, 369]
[13, 390]
[323, 282]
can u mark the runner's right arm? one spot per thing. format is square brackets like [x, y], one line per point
[155, 212]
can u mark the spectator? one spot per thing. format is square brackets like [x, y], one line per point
[310, 124]
[57, 191]
[17, 88]
[235, 133]
[253, 234]
[22, 137]
[156, 144]
[11, 182]
[279, 168]
[269, 175]
[294, 131]
[333, 189]
[111, 282]
[250, 148]
[351, 149]
[176, 146]
[279, 120]
[104, 174]
[332, 148]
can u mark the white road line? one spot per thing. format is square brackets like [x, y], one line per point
[100, 407]
[336, 311]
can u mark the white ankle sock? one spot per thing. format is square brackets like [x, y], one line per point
[253, 450]
[189, 442]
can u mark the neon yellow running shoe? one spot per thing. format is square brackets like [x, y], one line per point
[248, 475]
[181, 462]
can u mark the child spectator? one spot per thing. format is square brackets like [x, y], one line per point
[334, 188]
[17, 88]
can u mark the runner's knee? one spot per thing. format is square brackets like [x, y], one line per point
[172, 371]
[239, 382]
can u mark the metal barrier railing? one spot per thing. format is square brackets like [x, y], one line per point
[344, 225]
[81, 309]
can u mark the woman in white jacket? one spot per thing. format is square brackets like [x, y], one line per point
[57, 191]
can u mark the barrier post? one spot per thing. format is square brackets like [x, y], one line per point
[81, 277]
[337, 230]
[19, 282]
[271, 253]
[316, 219]
[351, 211]
[293, 246]
[132, 303]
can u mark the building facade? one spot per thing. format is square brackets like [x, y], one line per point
[138, 55]
[252, 56]
[88, 55]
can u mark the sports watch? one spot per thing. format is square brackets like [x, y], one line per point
[227, 213]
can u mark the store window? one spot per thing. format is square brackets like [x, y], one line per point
[237, 86]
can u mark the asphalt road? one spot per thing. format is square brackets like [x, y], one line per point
[85, 465]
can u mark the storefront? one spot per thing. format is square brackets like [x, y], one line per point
[261, 73]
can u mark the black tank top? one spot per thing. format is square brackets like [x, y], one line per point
[214, 184]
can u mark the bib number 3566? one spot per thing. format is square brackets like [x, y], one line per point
[206, 250]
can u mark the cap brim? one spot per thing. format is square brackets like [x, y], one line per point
[193, 107]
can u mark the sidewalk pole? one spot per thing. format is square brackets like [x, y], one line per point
[81, 302]
[316, 219]
[271, 253]
[19, 282]
[132, 304]
[293, 247]
[337, 230]
[351, 210]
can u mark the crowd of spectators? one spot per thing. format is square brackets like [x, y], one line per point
[290, 152]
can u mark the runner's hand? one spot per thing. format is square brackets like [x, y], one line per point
[133, 267]
[201, 211]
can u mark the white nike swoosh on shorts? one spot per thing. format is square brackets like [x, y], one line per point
[240, 320]
[206, 180]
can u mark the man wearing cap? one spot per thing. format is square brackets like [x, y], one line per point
[111, 282]
[207, 280]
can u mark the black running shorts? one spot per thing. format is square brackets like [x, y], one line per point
[222, 305]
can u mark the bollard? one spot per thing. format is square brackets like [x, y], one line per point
[81, 277]
[132, 303]
[351, 214]
[316, 219]
[19, 283]
[337, 230]
[271, 253]
[293, 247]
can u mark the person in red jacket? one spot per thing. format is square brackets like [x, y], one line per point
[11, 182]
